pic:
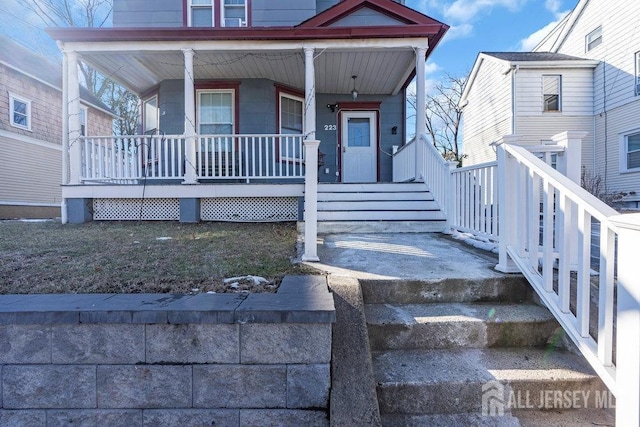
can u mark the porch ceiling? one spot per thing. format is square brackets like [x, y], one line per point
[379, 71]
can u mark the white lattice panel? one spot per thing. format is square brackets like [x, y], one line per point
[250, 209]
[136, 209]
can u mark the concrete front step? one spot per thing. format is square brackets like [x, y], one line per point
[448, 420]
[453, 325]
[375, 227]
[451, 381]
[495, 289]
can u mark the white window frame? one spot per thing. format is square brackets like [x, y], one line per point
[234, 119]
[559, 94]
[637, 74]
[192, 6]
[144, 115]
[84, 119]
[223, 8]
[27, 102]
[624, 138]
[280, 109]
[593, 39]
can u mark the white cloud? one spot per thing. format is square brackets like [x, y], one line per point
[431, 68]
[458, 32]
[531, 41]
[553, 5]
[466, 10]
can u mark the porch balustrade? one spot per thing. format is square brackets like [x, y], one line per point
[162, 157]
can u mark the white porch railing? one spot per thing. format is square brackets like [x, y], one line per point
[128, 158]
[475, 200]
[404, 163]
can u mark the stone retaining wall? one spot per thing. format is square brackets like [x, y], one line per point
[168, 360]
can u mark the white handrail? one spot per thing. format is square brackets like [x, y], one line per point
[542, 214]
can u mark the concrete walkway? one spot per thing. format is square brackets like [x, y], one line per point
[424, 256]
[348, 258]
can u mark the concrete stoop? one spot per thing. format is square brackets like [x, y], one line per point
[444, 353]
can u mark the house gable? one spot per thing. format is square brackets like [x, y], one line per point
[367, 16]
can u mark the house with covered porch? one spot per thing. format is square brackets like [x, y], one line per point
[246, 106]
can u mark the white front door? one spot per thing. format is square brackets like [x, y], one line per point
[359, 146]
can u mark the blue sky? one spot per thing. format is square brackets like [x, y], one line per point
[476, 25]
[487, 25]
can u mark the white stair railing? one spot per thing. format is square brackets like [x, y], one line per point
[546, 223]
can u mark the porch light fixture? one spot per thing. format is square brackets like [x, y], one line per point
[354, 92]
[332, 107]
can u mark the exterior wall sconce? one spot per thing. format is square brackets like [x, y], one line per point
[332, 107]
[354, 92]
[394, 130]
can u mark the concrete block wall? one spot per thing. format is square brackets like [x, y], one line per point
[166, 360]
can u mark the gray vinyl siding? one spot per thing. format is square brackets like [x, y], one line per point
[257, 99]
[366, 17]
[281, 13]
[147, 13]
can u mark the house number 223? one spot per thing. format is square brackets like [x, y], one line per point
[330, 127]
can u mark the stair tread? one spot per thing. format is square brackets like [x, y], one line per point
[409, 314]
[478, 365]
[448, 420]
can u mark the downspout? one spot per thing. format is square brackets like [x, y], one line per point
[513, 98]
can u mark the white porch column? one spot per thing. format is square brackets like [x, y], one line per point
[311, 160]
[628, 330]
[190, 172]
[73, 118]
[421, 118]
[65, 132]
[309, 94]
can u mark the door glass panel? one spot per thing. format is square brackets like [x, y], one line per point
[359, 132]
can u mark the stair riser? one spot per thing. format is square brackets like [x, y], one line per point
[381, 216]
[381, 196]
[453, 398]
[371, 187]
[460, 335]
[337, 227]
[508, 289]
[386, 205]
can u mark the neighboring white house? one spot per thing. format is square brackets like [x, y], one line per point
[585, 75]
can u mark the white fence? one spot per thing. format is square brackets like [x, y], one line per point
[129, 158]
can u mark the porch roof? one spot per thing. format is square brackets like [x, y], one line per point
[381, 56]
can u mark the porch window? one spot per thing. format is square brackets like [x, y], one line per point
[637, 74]
[234, 13]
[150, 116]
[216, 115]
[551, 86]
[593, 39]
[291, 120]
[201, 13]
[20, 112]
[630, 159]
[84, 112]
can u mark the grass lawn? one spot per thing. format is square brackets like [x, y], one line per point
[135, 257]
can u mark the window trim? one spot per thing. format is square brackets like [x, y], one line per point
[285, 92]
[234, 101]
[217, 8]
[636, 85]
[84, 109]
[624, 153]
[223, 18]
[13, 97]
[589, 39]
[144, 114]
[559, 94]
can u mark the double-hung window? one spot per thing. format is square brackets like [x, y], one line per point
[551, 87]
[630, 152]
[234, 13]
[201, 13]
[291, 123]
[19, 112]
[214, 13]
[216, 109]
[593, 39]
[150, 116]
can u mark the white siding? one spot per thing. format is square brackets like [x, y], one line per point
[620, 40]
[487, 116]
[576, 92]
[30, 173]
